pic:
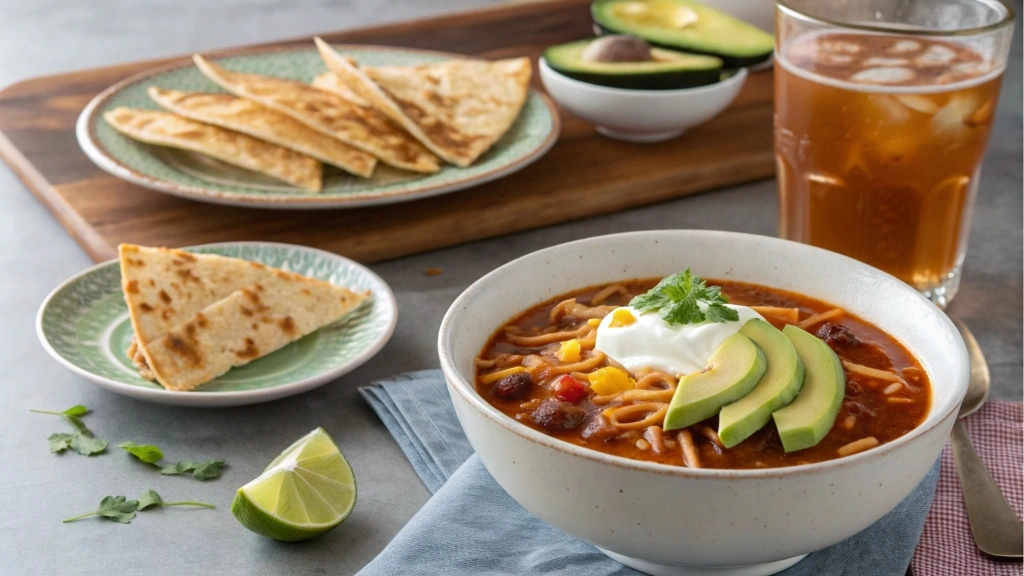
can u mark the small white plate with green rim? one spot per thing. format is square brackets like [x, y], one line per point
[84, 325]
[205, 179]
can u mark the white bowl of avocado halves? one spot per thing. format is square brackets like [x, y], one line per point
[659, 68]
[671, 519]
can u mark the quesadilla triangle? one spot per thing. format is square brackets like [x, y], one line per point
[330, 82]
[164, 287]
[166, 129]
[258, 121]
[360, 126]
[457, 108]
[250, 323]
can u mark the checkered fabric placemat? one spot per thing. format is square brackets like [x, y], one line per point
[947, 546]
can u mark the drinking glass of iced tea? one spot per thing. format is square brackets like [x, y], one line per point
[883, 109]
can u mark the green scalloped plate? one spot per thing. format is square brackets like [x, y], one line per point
[205, 179]
[84, 325]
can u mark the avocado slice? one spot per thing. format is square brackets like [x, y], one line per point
[665, 70]
[808, 419]
[733, 369]
[777, 388]
[688, 26]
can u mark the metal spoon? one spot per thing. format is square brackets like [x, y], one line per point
[997, 530]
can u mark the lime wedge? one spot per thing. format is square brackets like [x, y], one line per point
[307, 490]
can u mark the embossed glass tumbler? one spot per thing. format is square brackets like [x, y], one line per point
[883, 110]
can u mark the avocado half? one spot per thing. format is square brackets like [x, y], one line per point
[688, 26]
[669, 70]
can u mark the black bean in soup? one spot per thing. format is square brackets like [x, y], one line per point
[513, 387]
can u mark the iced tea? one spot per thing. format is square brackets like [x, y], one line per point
[880, 128]
[878, 148]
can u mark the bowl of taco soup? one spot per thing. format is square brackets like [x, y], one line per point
[687, 399]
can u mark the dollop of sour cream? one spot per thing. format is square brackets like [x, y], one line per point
[650, 342]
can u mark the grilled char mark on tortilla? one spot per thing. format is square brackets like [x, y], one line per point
[458, 108]
[164, 287]
[258, 121]
[166, 129]
[248, 324]
[362, 127]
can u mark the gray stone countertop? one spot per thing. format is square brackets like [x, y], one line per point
[38, 489]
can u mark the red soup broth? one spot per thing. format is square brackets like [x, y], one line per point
[881, 409]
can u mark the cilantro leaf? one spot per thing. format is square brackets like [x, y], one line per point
[679, 298]
[207, 470]
[721, 313]
[145, 452]
[115, 508]
[77, 424]
[82, 441]
[87, 445]
[118, 509]
[59, 442]
[200, 470]
[179, 468]
[150, 498]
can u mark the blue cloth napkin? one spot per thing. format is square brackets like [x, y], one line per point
[471, 526]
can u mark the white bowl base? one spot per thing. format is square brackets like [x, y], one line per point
[654, 569]
[640, 137]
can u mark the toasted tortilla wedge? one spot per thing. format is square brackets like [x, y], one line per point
[458, 108]
[166, 129]
[258, 121]
[250, 323]
[362, 127]
[330, 82]
[165, 287]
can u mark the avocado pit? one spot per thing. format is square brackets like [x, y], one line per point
[617, 48]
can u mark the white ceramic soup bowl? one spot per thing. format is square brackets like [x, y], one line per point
[673, 520]
[642, 115]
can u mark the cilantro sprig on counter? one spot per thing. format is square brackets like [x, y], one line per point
[199, 470]
[120, 509]
[150, 454]
[677, 300]
[82, 441]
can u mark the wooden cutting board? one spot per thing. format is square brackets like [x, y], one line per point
[583, 175]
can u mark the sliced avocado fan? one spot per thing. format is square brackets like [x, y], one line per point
[778, 387]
